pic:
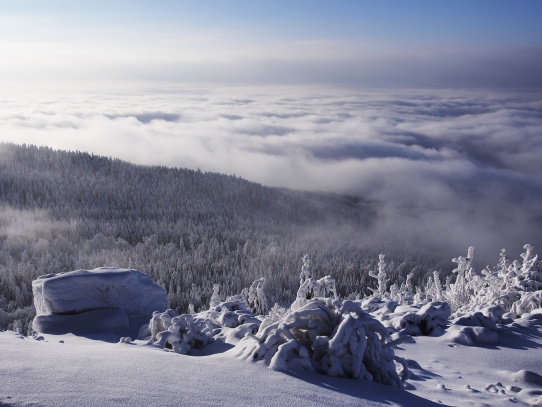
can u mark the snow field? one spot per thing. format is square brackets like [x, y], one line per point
[66, 371]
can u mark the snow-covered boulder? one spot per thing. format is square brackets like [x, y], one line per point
[96, 301]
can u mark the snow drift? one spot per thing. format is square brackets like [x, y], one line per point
[96, 301]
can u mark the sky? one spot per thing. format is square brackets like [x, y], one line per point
[485, 43]
[420, 104]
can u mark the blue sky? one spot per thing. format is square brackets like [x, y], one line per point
[408, 43]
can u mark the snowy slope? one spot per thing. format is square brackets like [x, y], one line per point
[72, 371]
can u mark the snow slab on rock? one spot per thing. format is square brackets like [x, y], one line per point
[96, 301]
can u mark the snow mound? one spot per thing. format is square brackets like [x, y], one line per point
[327, 336]
[471, 335]
[527, 377]
[96, 301]
[430, 319]
[476, 329]
[477, 319]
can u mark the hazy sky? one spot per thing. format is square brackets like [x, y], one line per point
[385, 43]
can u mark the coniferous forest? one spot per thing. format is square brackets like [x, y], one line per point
[62, 211]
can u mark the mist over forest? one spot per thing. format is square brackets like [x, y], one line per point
[449, 168]
[189, 229]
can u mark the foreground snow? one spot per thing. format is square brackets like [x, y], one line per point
[66, 370]
[483, 349]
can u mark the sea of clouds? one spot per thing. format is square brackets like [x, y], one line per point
[453, 168]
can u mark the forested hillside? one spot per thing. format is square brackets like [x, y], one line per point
[62, 211]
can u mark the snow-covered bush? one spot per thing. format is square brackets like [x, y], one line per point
[527, 303]
[230, 314]
[513, 286]
[327, 336]
[256, 298]
[215, 298]
[460, 292]
[180, 333]
[276, 312]
[530, 278]
[311, 288]
[430, 319]
[438, 296]
[377, 306]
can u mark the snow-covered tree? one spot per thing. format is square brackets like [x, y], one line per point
[305, 270]
[458, 293]
[256, 298]
[215, 298]
[381, 276]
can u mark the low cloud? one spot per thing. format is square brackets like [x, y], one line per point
[448, 168]
[147, 117]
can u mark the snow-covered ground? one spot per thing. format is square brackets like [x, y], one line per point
[370, 352]
[66, 370]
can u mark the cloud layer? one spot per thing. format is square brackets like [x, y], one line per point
[450, 168]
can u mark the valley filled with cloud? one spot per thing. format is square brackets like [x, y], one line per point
[449, 167]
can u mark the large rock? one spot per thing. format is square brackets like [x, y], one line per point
[96, 301]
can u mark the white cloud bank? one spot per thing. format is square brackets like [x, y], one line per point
[473, 158]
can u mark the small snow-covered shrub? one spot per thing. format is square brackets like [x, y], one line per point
[309, 287]
[513, 286]
[527, 303]
[179, 332]
[215, 298]
[312, 288]
[230, 320]
[430, 319]
[230, 314]
[460, 292]
[256, 298]
[328, 336]
[380, 308]
[496, 313]
[276, 312]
